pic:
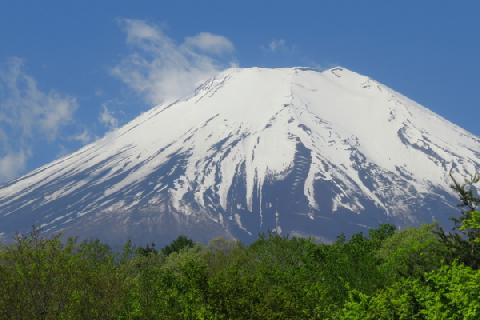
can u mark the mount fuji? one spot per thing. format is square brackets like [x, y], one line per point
[293, 150]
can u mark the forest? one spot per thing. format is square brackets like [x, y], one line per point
[416, 273]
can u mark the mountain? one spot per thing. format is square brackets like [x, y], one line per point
[294, 151]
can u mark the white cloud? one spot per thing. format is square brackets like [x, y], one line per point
[160, 69]
[27, 113]
[12, 163]
[107, 118]
[279, 46]
[29, 110]
[83, 137]
[55, 111]
[209, 42]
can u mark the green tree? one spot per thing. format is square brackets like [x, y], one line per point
[172, 287]
[464, 241]
[450, 292]
[411, 253]
[47, 278]
[469, 221]
[180, 243]
[395, 302]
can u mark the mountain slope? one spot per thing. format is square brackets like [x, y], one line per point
[292, 150]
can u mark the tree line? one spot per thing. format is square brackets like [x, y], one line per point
[416, 273]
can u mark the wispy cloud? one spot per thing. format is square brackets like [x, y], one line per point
[12, 163]
[209, 43]
[107, 118]
[83, 137]
[159, 69]
[278, 46]
[26, 112]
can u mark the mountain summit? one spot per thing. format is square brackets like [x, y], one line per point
[293, 151]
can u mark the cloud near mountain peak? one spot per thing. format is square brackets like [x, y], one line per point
[159, 69]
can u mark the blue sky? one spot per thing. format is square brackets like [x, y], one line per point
[72, 70]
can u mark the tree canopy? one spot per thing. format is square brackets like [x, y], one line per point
[414, 273]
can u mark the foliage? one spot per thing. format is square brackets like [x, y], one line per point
[451, 292]
[273, 278]
[416, 273]
[182, 242]
[464, 242]
[411, 252]
[469, 222]
[47, 279]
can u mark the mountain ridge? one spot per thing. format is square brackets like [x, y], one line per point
[256, 150]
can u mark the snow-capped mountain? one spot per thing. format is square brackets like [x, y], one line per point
[293, 150]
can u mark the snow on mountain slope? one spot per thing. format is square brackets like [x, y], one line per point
[292, 150]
